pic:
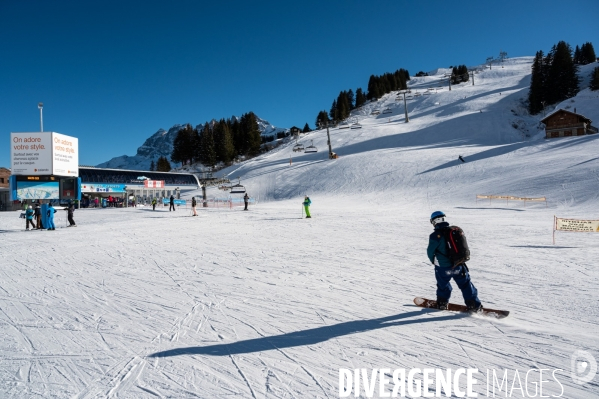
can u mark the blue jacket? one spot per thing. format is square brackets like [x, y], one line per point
[29, 214]
[437, 247]
[307, 202]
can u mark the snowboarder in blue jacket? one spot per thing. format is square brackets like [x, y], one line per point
[445, 269]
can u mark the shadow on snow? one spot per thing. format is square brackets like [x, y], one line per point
[306, 337]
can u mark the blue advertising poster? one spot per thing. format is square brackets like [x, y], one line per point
[37, 190]
[176, 202]
[102, 188]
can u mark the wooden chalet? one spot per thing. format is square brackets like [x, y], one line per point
[564, 123]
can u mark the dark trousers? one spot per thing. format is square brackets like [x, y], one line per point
[246, 206]
[39, 222]
[32, 224]
[71, 221]
[171, 208]
[461, 277]
[153, 207]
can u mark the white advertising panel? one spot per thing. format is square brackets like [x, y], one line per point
[31, 153]
[65, 155]
[44, 153]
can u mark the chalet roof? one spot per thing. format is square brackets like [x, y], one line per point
[566, 111]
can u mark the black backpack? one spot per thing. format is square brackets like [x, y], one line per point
[457, 246]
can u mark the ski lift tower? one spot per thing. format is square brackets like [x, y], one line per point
[332, 155]
[405, 106]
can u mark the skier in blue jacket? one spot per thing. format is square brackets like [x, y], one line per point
[51, 212]
[29, 217]
[445, 270]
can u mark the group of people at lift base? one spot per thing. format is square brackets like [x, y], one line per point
[194, 204]
[31, 213]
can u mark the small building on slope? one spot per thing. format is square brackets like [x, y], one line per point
[562, 123]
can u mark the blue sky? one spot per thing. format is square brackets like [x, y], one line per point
[113, 72]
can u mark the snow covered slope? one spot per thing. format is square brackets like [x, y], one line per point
[266, 304]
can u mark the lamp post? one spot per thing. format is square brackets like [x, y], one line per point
[41, 106]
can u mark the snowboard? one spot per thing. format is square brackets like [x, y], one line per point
[452, 307]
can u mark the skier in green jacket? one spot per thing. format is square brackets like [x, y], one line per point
[307, 203]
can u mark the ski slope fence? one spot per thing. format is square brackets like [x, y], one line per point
[574, 226]
[509, 198]
[226, 203]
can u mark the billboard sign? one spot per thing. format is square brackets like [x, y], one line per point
[36, 190]
[65, 155]
[44, 153]
[102, 188]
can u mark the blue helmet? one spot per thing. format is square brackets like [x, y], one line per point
[436, 215]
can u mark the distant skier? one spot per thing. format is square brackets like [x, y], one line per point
[246, 199]
[50, 214]
[37, 211]
[70, 212]
[153, 204]
[461, 158]
[445, 269]
[29, 218]
[307, 204]
[193, 206]
[172, 204]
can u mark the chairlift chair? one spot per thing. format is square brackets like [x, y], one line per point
[311, 148]
[298, 148]
[356, 126]
[344, 125]
[375, 112]
[237, 188]
[387, 111]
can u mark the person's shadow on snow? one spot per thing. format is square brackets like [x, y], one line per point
[306, 337]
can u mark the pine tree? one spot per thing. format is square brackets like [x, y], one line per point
[224, 142]
[351, 99]
[334, 113]
[152, 166]
[576, 57]
[163, 165]
[595, 79]
[306, 128]
[343, 107]
[536, 91]
[562, 81]
[207, 151]
[251, 130]
[360, 98]
[373, 88]
[587, 54]
[322, 119]
[183, 145]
